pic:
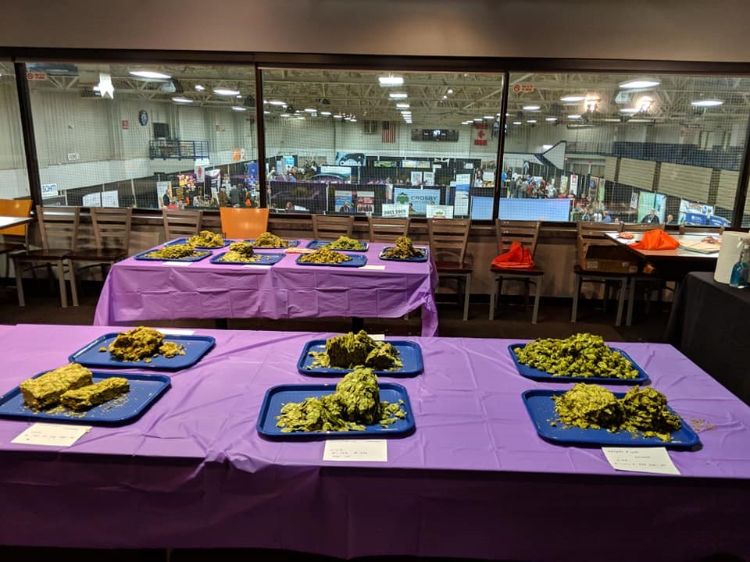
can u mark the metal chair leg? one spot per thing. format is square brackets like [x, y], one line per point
[621, 301]
[574, 313]
[73, 284]
[537, 295]
[19, 282]
[493, 297]
[467, 294]
[61, 284]
[631, 303]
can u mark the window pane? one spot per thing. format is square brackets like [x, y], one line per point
[145, 135]
[14, 181]
[630, 148]
[383, 143]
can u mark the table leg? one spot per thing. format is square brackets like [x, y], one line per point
[19, 282]
[574, 312]
[621, 301]
[61, 283]
[467, 295]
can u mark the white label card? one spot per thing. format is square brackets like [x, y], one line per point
[258, 266]
[373, 267]
[178, 263]
[51, 434]
[378, 337]
[654, 460]
[356, 450]
[176, 331]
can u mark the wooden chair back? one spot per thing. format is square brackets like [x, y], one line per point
[112, 228]
[639, 227]
[59, 226]
[525, 232]
[449, 238]
[16, 208]
[179, 223]
[698, 229]
[329, 228]
[387, 230]
[243, 223]
[592, 234]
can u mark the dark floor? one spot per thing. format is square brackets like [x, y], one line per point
[512, 321]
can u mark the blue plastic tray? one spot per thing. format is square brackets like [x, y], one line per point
[265, 259]
[411, 356]
[541, 409]
[195, 348]
[292, 244]
[184, 241]
[144, 391]
[424, 258]
[543, 376]
[356, 261]
[277, 396]
[315, 244]
[142, 256]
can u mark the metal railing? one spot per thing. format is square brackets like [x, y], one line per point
[163, 149]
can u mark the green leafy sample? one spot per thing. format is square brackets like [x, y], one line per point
[580, 355]
[240, 252]
[206, 239]
[403, 250]
[175, 252]
[355, 404]
[352, 350]
[324, 255]
[345, 243]
[268, 240]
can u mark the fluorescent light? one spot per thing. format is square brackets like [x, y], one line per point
[546, 146]
[353, 119]
[150, 74]
[277, 103]
[402, 105]
[640, 83]
[574, 116]
[531, 121]
[310, 110]
[445, 97]
[489, 116]
[706, 103]
[570, 99]
[517, 123]
[325, 113]
[611, 120]
[477, 120]
[199, 88]
[550, 119]
[225, 92]
[337, 116]
[387, 81]
[398, 95]
[629, 110]
[450, 91]
[406, 113]
[286, 114]
[531, 108]
[266, 113]
[239, 96]
[180, 99]
[644, 103]
[238, 108]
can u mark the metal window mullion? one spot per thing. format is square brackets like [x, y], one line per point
[27, 129]
[500, 146]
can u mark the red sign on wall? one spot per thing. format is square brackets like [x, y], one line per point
[525, 88]
[36, 76]
[125, 124]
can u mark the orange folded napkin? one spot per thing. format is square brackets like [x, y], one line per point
[656, 239]
[517, 257]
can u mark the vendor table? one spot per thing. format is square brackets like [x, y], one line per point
[709, 324]
[474, 480]
[140, 290]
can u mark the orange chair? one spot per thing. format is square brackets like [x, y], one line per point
[243, 223]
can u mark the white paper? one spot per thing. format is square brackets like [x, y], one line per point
[258, 266]
[373, 267]
[176, 331]
[378, 337]
[356, 450]
[177, 263]
[654, 460]
[51, 434]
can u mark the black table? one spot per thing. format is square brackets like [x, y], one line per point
[710, 324]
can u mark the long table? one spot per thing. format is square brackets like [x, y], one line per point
[474, 480]
[143, 290]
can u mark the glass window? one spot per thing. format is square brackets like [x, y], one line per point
[14, 181]
[384, 143]
[630, 148]
[145, 135]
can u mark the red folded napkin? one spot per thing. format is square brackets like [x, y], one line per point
[656, 239]
[517, 257]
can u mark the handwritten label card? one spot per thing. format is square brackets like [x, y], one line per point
[176, 331]
[51, 434]
[654, 460]
[258, 266]
[177, 263]
[356, 450]
[378, 337]
[373, 267]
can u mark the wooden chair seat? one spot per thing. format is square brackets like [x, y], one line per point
[98, 255]
[528, 272]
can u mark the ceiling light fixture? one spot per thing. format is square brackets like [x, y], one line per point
[277, 103]
[286, 114]
[706, 103]
[532, 121]
[398, 95]
[199, 88]
[225, 92]
[531, 108]
[629, 110]
[546, 146]
[574, 116]
[325, 113]
[310, 110]
[150, 74]
[517, 123]
[388, 81]
[181, 99]
[238, 108]
[402, 105]
[489, 117]
[550, 119]
[572, 99]
[450, 91]
[640, 83]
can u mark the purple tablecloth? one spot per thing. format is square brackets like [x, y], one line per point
[142, 290]
[474, 480]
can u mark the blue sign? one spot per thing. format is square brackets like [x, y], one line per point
[417, 199]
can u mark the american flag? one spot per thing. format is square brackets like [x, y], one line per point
[389, 131]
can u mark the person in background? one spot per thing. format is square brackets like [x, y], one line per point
[670, 219]
[165, 199]
[607, 218]
[234, 197]
[223, 197]
[650, 218]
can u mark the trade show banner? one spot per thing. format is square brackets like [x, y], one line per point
[695, 213]
[365, 202]
[634, 200]
[563, 184]
[428, 178]
[574, 184]
[163, 187]
[416, 199]
[648, 202]
[416, 178]
[343, 201]
[461, 199]
[92, 200]
[200, 169]
[394, 210]
[439, 211]
[213, 181]
[110, 199]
